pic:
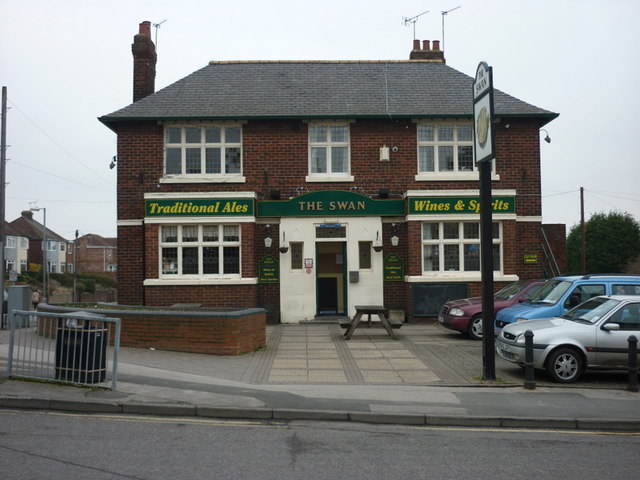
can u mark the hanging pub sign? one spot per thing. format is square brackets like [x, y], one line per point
[483, 114]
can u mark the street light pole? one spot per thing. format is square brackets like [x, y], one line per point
[3, 184]
[45, 291]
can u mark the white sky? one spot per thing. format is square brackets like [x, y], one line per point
[67, 62]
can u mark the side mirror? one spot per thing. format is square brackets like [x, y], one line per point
[611, 327]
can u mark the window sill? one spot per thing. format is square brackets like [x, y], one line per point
[452, 176]
[202, 179]
[439, 277]
[329, 178]
[178, 281]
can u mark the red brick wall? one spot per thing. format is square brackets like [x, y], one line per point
[95, 259]
[275, 157]
[557, 236]
[210, 333]
[181, 333]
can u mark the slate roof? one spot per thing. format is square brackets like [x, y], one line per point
[26, 226]
[97, 241]
[317, 89]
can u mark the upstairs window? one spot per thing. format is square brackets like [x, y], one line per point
[445, 148]
[203, 150]
[329, 150]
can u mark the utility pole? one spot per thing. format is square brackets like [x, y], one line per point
[3, 184]
[583, 243]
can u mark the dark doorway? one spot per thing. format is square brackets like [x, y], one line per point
[330, 281]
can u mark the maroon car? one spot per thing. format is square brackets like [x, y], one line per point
[465, 314]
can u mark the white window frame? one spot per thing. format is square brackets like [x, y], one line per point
[329, 144]
[202, 176]
[461, 242]
[180, 243]
[11, 241]
[446, 175]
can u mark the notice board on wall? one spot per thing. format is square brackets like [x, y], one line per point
[428, 298]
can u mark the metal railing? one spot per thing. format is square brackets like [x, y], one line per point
[551, 258]
[69, 348]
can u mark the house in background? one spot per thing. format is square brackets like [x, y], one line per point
[309, 187]
[16, 248]
[55, 257]
[94, 253]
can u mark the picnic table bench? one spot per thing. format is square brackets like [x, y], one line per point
[379, 310]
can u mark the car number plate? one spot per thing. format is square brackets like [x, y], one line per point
[503, 346]
[440, 319]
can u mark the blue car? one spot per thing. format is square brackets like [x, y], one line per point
[560, 294]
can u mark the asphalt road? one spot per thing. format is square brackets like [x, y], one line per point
[54, 445]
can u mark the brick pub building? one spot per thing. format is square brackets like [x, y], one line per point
[308, 187]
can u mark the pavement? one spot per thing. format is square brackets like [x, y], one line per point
[427, 376]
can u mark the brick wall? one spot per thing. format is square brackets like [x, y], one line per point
[215, 333]
[275, 157]
[182, 333]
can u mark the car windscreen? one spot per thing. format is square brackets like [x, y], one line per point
[510, 290]
[551, 292]
[592, 310]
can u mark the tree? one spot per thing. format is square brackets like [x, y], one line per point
[612, 243]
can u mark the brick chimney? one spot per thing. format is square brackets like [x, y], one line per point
[144, 63]
[426, 52]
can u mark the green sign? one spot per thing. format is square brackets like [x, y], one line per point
[199, 207]
[268, 270]
[457, 205]
[393, 268]
[330, 203]
[530, 258]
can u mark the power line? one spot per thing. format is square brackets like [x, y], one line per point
[69, 154]
[50, 200]
[13, 162]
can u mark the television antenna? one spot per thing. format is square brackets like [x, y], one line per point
[444, 13]
[413, 21]
[157, 26]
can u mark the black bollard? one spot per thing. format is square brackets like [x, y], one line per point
[633, 364]
[529, 381]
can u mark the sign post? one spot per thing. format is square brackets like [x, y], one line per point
[484, 154]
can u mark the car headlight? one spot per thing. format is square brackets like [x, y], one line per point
[456, 312]
[520, 338]
[521, 319]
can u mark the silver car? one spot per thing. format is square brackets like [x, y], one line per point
[593, 335]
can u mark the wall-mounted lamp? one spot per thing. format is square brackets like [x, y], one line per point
[394, 235]
[284, 248]
[268, 241]
[114, 160]
[377, 246]
[547, 138]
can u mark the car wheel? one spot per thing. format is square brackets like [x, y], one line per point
[474, 330]
[564, 365]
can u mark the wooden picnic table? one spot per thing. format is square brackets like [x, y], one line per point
[380, 311]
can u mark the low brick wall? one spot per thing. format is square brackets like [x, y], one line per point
[212, 332]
